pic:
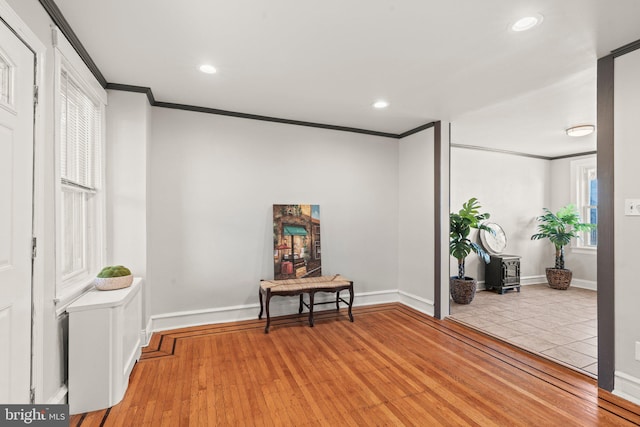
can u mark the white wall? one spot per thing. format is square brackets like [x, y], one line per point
[627, 228]
[513, 189]
[583, 265]
[416, 219]
[128, 125]
[213, 181]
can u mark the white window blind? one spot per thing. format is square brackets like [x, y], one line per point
[79, 135]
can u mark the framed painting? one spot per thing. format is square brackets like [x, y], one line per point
[296, 241]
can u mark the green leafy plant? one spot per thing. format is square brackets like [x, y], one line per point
[560, 228]
[460, 226]
[114, 271]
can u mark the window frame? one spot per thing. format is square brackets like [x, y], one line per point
[580, 171]
[69, 288]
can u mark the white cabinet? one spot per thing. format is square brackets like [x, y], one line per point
[104, 345]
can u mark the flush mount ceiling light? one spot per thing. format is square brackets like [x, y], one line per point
[527, 23]
[380, 104]
[208, 69]
[581, 130]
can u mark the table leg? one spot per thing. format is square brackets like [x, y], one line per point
[350, 301]
[311, 294]
[338, 301]
[266, 328]
[300, 308]
[261, 306]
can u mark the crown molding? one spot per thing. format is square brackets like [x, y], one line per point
[207, 110]
[521, 154]
[60, 21]
[416, 130]
[56, 16]
[626, 49]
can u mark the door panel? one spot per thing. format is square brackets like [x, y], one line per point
[5, 351]
[16, 194]
[6, 174]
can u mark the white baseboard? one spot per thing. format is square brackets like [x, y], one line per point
[185, 319]
[584, 284]
[533, 280]
[627, 387]
[60, 397]
[279, 306]
[378, 297]
[524, 281]
[145, 334]
[417, 303]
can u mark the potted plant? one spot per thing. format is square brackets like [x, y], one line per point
[113, 277]
[560, 228]
[463, 288]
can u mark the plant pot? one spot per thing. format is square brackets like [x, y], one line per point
[113, 283]
[559, 278]
[462, 290]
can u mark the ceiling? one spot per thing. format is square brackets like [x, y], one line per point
[328, 61]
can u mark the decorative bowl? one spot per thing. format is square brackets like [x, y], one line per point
[113, 283]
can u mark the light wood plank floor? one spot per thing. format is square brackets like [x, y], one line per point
[393, 366]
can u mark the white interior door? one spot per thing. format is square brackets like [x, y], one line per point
[16, 176]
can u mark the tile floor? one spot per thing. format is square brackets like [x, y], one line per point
[561, 325]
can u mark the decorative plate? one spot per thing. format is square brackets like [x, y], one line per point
[494, 244]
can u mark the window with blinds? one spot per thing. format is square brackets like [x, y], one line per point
[589, 204]
[80, 104]
[80, 133]
[584, 182]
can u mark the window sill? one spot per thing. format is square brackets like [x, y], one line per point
[584, 250]
[72, 293]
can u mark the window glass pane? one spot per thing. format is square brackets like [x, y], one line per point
[584, 184]
[593, 234]
[67, 233]
[592, 218]
[73, 233]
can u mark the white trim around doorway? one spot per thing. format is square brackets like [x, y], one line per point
[11, 18]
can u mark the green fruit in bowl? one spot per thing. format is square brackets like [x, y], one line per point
[114, 271]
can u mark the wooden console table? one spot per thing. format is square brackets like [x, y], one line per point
[307, 285]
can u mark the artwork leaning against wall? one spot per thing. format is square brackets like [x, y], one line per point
[296, 241]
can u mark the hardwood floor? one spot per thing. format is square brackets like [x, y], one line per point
[393, 366]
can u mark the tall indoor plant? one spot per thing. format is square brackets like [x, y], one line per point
[560, 228]
[463, 288]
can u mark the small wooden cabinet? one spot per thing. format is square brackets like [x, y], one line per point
[503, 273]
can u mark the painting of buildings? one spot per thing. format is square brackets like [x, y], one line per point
[296, 241]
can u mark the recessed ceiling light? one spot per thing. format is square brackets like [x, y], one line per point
[209, 69]
[380, 104]
[581, 130]
[527, 23]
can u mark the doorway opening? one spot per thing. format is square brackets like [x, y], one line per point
[515, 170]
